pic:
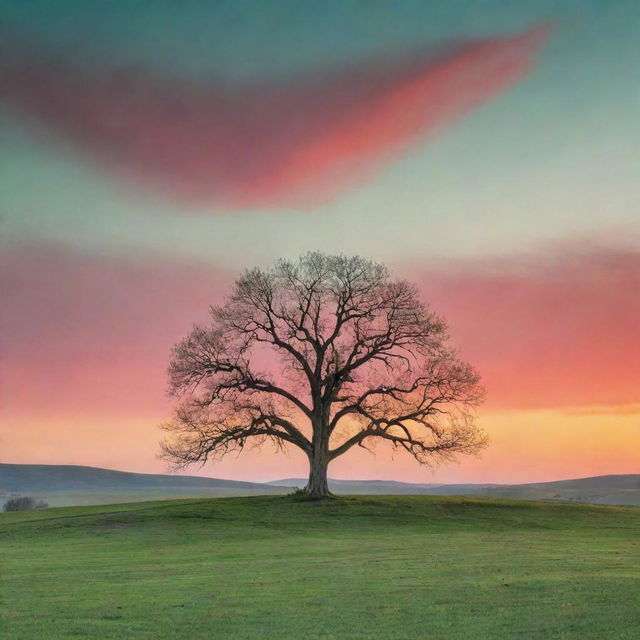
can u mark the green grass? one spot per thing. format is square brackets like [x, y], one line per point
[275, 567]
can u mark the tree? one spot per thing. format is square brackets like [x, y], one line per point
[322, 353]
[24, 503]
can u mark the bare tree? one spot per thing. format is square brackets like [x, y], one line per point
[322, 353]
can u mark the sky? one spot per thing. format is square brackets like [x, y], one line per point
[489, 151]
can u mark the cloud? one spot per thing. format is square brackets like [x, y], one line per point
[555, 329]
[597, 410]
[298, 142]
[85, 339]
[80, 332]
[92, 333]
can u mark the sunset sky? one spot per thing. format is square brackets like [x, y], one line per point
[488, 151]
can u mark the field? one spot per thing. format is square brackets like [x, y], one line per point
[277, 567]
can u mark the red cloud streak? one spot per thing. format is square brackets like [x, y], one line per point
[273, 145]
[551, 331]
[92, 334]
[85, 333]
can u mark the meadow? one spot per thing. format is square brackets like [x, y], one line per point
[285, 568]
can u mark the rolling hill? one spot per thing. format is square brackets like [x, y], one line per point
[610, 489]
[44, 477]
[66, 485]
[389, 487]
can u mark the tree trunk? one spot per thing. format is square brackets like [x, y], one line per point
[317, 486]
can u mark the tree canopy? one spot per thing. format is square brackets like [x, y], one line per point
[322, 353]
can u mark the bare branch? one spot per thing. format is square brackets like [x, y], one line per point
[310, 349]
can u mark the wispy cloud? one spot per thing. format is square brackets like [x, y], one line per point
[294, 142]
[555, 329]
[94, 332]
[85, 341]
[598, 410]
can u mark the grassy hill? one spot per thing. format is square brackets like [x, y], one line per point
[64, 485]
[277, 567]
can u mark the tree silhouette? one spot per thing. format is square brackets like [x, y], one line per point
[322, 353]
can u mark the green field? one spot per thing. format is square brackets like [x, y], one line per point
[276, 567]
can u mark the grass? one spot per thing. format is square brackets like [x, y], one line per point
[276, 567]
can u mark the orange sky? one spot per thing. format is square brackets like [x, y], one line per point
[525, 446]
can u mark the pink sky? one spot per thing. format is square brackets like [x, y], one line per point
[554, 335]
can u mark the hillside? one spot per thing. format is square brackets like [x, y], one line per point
[282, 568]
[66, 485]
[611, 489]
[389, 487]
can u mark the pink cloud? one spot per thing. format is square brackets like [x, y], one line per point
[91, 333]
[554, 330]
[84, 343]
[272, 145]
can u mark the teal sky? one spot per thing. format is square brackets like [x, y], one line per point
[555, 157]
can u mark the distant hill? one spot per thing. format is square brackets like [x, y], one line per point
[63, 485]
[611, 489]
[389, 487]
[49, 477]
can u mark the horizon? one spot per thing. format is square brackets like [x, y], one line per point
[489, 156]
[331, 478]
